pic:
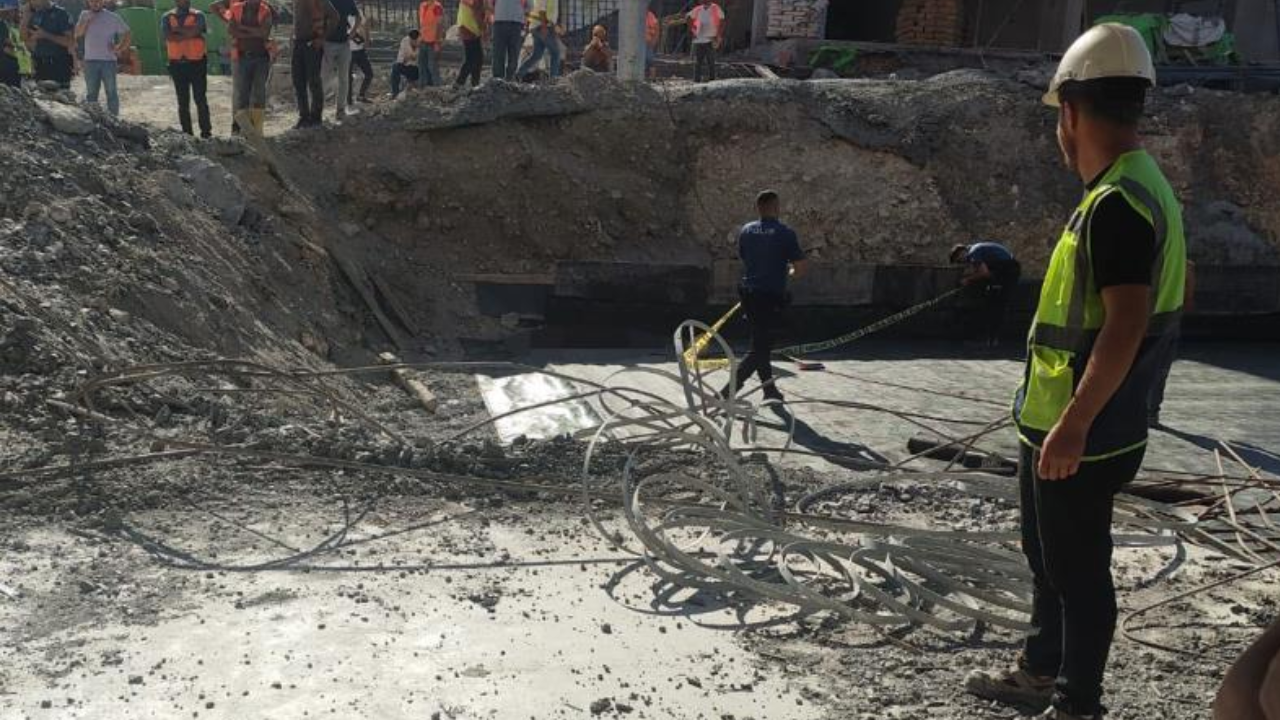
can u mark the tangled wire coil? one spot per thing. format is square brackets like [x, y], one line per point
[696, 516]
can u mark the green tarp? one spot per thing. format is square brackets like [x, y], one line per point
[838, 59]
[1152, 26]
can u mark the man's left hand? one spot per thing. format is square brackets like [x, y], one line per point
[1062, 450]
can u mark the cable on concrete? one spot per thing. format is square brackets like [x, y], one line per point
[694, 515]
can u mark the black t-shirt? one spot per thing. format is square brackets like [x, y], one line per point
[347, 12]
[1122, 243]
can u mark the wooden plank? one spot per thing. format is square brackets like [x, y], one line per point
[358, 279]
[411, 383]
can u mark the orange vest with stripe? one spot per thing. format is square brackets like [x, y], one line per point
[236, 15]
[183, 49]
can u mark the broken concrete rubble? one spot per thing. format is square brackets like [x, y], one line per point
[215, 186]
[66, 118]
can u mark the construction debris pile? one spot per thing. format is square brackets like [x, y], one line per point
[181, 320]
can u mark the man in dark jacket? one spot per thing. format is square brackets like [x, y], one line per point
[312, 20]
[770, 253]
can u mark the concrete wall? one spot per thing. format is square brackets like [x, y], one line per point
[601, 304]
[794, 19]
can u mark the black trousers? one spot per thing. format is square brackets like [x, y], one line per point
[9, 71]
[308, 84]
[1066, 536]
[508, 37]
[56, 68]
[472, 62]
[360, 59]
[192, 79]
[997, 295]
[764, 314]
[1156, 398]
[704, 54]
[407, 72]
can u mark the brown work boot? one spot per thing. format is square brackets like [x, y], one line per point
[1056, 714]
[1014, 687]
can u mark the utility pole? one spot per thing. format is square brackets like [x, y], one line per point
[631, 19]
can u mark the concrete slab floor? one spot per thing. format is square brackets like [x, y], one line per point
[1226, 392]
[430, 609]
[425, 607]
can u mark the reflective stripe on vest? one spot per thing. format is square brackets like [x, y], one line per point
[236, 15]
[1071, 314]
[184, 49]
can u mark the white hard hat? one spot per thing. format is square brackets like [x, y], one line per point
[1106, 50]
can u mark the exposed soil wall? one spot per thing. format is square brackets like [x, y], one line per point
[513, 179]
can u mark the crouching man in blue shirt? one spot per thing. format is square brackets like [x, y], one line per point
[770, 253]
[992, 275]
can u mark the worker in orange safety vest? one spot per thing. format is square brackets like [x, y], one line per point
[184, 32]
[706, 30]
[251, 23]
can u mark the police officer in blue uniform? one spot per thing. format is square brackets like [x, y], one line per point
[770, 254]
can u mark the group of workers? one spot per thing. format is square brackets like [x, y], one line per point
[47, 45]
[328, 45]
[1100, 342]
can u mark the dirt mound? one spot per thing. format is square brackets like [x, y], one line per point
[512, 178]
[120, 248]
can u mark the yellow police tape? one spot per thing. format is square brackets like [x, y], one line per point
[700, 345]
[794, 352]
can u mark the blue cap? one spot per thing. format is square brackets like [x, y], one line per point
[8, 4]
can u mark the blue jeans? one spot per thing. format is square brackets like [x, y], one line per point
[544, 41]
[250, 83]
[428, 66]
[99, 74]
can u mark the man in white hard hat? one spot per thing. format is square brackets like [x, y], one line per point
[1109, 308]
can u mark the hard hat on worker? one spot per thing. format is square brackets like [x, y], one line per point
[1109, 50]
